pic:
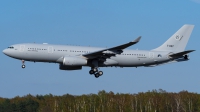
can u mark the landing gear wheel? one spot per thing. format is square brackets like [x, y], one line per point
[96, 75]
[100, 73]
[95, 70]
[23, 66]
[91, 72]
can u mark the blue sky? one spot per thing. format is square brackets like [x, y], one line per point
[100, 23]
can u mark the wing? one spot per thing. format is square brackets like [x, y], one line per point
[106, 53]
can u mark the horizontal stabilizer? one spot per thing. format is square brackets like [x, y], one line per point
[180, 54]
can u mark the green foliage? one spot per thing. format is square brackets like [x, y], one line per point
[151, 101]
[26, 105]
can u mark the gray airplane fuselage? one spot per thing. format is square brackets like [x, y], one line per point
[56, 53]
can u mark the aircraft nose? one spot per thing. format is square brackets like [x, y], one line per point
[8, 52]
[4, 51]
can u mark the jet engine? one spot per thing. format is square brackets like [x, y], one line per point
[186, 57]
[74, 61]
[62, 67]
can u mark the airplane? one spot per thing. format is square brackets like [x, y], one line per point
[75, 57]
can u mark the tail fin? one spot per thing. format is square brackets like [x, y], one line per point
[178, 41]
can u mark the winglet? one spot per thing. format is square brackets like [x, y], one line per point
[137, 39]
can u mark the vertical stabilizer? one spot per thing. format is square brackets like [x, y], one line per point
[178, 41]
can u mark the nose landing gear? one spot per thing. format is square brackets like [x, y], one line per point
[23, 65]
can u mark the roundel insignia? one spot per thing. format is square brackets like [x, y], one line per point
[177, 37]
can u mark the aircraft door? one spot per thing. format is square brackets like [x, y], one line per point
[22, 47]
[50, 49]
[151, 55]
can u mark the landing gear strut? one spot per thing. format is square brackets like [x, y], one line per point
[23, 65]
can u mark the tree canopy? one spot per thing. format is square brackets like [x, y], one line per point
[151, 101]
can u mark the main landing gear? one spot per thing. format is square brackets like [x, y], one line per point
[94, 69]
[23, 65]
[96, 72]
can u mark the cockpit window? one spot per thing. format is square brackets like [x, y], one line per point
[11, 47]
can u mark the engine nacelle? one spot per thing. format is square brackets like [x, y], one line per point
[74, 61]
[186, 57]
[62, 67]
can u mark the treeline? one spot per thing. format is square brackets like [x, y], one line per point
[151, 101]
